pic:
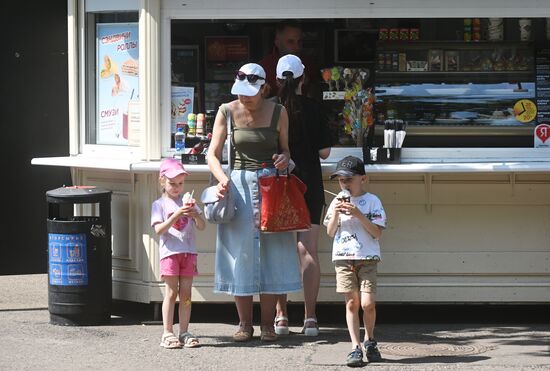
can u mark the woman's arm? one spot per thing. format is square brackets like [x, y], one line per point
[215, 150]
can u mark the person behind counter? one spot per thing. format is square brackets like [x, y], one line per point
[289, 40]
[174, 219]
[355, 219]
[309, 140]
[248, 262]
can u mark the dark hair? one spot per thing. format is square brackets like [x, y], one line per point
[288, 23]
[291, 101]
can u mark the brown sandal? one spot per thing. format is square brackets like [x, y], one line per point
[268, 333]
[243, 334]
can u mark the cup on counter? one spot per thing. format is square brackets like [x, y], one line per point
[524, 29]
[495, 29]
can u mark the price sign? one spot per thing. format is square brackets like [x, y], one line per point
[334, 95]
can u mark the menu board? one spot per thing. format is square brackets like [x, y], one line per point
[117, 81]
[542, 70]
[224, 55]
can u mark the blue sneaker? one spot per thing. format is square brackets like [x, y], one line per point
[371, 351]
[355, 358]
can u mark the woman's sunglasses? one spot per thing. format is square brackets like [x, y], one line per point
[251, 78]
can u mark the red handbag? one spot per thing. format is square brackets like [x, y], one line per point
[284, 208]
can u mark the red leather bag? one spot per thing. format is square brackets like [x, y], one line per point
[284, 208]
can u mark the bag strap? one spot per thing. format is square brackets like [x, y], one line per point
[275, 117]
[229, 121]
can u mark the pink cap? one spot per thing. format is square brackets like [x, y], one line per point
[171, 168]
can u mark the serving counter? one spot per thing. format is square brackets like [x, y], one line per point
[464, 225]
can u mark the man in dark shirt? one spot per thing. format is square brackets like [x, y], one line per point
[288, 40]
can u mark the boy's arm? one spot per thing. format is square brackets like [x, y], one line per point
[374, 230]
[333, 220]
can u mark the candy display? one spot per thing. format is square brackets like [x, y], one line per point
[357, 113]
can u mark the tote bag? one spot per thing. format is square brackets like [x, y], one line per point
[284, 208]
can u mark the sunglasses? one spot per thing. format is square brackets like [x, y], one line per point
[251, 78]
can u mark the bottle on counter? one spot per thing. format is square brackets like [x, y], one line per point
[209, 121]
[200, 124]
[179, 140]
[192, 123]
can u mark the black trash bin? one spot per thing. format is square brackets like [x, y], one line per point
[79, 257]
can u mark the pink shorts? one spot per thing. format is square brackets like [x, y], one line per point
[183, 264]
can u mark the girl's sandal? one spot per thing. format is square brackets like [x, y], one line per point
[268, 333]
[281, 329]
[169, 341]
[189, 340]
[310, 327]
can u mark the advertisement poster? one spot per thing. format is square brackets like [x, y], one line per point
[117, 81]
[182, 105]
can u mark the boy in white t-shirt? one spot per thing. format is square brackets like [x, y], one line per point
[355, 219]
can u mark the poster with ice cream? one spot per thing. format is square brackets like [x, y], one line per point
[117, 80]
[182, 105]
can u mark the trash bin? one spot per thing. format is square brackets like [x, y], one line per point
[79, 256]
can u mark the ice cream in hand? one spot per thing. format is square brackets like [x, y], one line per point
[187, 198]
[344, 196]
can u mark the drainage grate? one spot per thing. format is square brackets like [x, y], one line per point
[432, 350]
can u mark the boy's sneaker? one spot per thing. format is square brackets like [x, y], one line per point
[355, 358]
[371, 351]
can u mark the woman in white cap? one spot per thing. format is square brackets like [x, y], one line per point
[309, 140]
[249, 262]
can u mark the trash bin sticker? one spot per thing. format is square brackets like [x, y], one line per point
[68, 262]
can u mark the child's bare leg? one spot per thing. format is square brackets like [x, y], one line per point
[169, 302]
[185, 302]
[368, 301]
[352, 317]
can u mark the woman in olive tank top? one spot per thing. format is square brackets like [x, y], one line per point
[247, 261]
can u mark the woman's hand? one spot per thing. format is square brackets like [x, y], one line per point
[280, 161]
[222, 189]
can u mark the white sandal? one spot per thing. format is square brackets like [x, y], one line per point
[310, 331]
[170, 341]
[188, 340]
[281, 330]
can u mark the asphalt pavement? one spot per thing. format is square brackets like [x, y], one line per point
[129, 342]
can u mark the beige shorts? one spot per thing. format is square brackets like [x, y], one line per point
[356, 275]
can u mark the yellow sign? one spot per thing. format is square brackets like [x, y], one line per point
[525, 110]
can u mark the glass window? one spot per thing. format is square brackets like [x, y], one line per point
[456, 82]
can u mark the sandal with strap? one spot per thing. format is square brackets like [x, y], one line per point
[310, 330]
[169, 341]
[268, 333]
[189, 340]
[243, 334]
[281, 329]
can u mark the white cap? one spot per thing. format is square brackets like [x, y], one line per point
[244, 87]
[290, 63]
